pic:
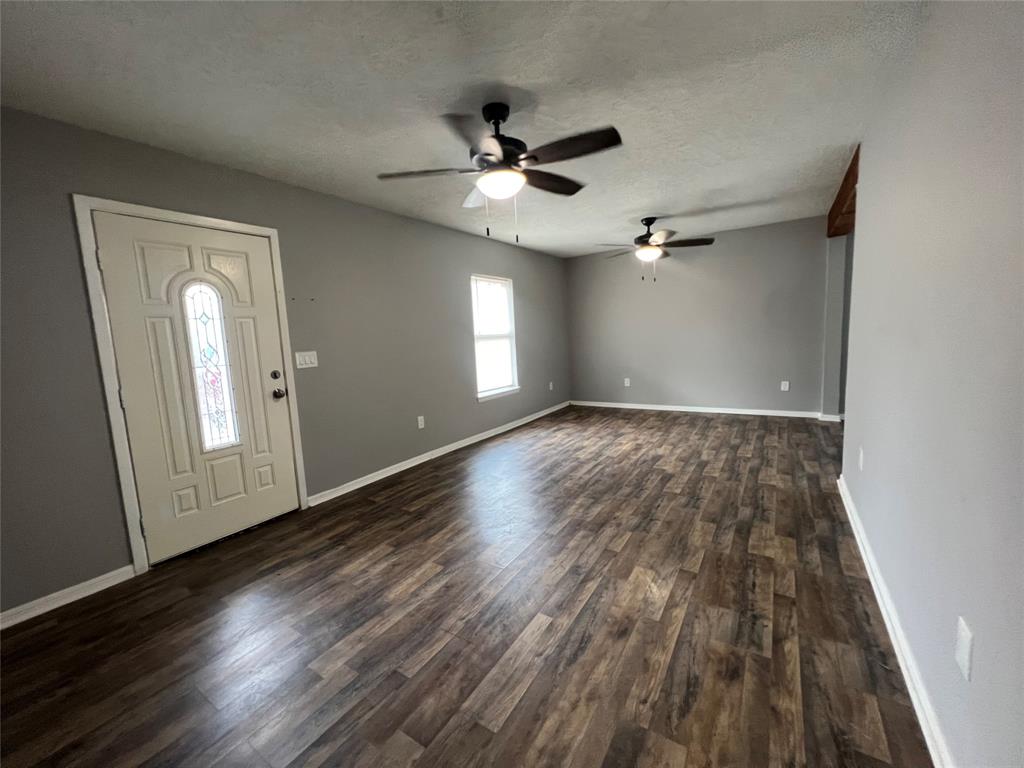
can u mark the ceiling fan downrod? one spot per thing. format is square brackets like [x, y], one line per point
[495, 114]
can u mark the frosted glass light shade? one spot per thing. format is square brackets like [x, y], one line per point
[501, 183]
[648, 252]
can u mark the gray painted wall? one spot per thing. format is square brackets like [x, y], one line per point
[721, 327]
[383, 299]
[847, 288]
[835, 295]
[936, 374]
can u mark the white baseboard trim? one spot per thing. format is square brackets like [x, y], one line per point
[380, 474]
[706, 409]
[21, 613]
[904, 654]
[830, 416]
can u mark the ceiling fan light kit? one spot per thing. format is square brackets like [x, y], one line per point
[500, 183]
[648, 252]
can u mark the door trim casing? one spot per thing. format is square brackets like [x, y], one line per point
[84, 207]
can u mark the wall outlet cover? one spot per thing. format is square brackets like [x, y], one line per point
[306, 359]
[625, 382]
[551, 386]
[860, 458]
[420, 422]
[964, 647]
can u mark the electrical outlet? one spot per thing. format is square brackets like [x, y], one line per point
[551, 386]
[860, 458]
[784, 386]
[420, 422]
[305, 360]
[625, 382]
[964, 645]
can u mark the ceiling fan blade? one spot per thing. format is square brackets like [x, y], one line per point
[661, 236]
[572, 146]
[613, 245]
[688, 243]
[474, 135]
[616, 255]
[552, 182]
[474, 199]
[432, 172]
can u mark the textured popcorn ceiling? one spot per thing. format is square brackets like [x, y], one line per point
[732, 114]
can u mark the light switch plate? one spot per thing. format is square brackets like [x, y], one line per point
[551, 386]
[784, 386]
[625, 382]
[305, 360]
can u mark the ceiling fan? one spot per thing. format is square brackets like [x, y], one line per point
[503, 164]
[651, 246]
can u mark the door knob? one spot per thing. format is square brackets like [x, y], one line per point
[279, 393]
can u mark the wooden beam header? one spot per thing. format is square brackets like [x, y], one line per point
[841, 215]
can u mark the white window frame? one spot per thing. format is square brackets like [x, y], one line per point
[511, 336]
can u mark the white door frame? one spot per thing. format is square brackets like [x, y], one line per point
[84, 208]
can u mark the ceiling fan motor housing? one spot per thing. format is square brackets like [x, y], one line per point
[497, 113]
[511, 148]
[645, 238]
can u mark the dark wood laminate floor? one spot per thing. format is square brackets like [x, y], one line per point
[598, 588]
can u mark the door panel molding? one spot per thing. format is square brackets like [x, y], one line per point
[84, 207]
[163, 356]
[186, 501]
[249, 370]
[225, 478]
[233, 268]
[158, 264]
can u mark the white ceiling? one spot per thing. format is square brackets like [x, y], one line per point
[732, 114]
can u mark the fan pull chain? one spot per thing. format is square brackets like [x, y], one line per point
[487, 214]
[654, 271]
[515, 208]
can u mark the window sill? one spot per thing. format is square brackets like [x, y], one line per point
[497, 393]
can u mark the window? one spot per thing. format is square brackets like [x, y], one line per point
[207, 343]
[494, 329]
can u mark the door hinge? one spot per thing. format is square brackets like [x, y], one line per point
[120, 397]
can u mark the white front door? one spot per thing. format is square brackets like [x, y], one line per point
[193, 315]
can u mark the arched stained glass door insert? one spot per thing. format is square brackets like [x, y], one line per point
[204, 314]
